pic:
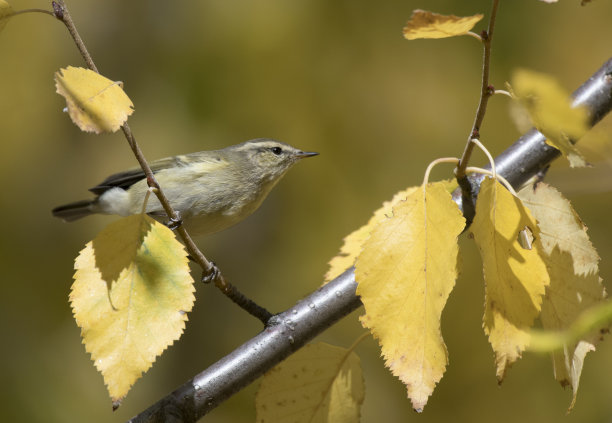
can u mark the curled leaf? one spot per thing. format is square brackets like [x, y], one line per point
[95, 103]
[424, 24]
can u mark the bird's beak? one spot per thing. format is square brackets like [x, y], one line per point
[304, 154]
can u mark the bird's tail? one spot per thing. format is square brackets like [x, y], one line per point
[73, 211]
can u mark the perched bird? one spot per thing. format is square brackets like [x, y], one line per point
[212, 190]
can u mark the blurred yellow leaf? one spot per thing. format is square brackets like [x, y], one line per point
[319, 383]
[354, 241]
[5, 13]
[424, 24]
[95, 103]
[127, 321]
[551, 111]
[515, 277]
[404, 275]
[575, 285]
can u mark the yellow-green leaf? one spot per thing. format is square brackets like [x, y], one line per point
[319, 383]
[551, 111]
[5, 13]
[424, 24]
[515, 277]
[131, 305]
[404, 275]
[354, 241]
[95, 103]
[575, 285]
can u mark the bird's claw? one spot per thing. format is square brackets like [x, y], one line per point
[175, 223]
[212, 274]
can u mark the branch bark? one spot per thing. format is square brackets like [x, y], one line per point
[311, 316]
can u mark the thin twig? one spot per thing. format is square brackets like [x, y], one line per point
[60, 11]
[485, 92]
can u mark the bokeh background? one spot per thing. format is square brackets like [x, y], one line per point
[330, 76]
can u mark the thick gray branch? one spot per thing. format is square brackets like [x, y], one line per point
[311, 316]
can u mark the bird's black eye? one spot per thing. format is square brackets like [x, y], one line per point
[276, 150]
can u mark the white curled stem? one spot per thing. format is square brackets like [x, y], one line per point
[435, 162]
[491, 174]
[484, 150]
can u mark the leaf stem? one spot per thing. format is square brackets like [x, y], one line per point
[486, 152]
[474, 35]
[504, 92]
[24, 11]
[485, 92]
[500, 178]
[60, 11]
[435, 162]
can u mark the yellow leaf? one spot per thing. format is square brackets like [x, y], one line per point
[575, 285]
[561, 226]
[551, 111]
[128, 321]
[319, 383]
[515, 276]
[6, 12]
[95, 103]
[354, 241]
[424, 24]
[404, 275]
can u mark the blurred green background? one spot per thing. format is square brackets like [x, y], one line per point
[330, 76]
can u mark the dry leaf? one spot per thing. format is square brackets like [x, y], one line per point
[515, 277]
[551, 111]
[575, 285]
[424, 24]
[404, 276]
[95, 103]
[130, 317]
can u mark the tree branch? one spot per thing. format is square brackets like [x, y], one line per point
[311, 316]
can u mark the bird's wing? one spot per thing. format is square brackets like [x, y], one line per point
[129, 177]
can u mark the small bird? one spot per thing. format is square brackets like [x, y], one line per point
[212, 190]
